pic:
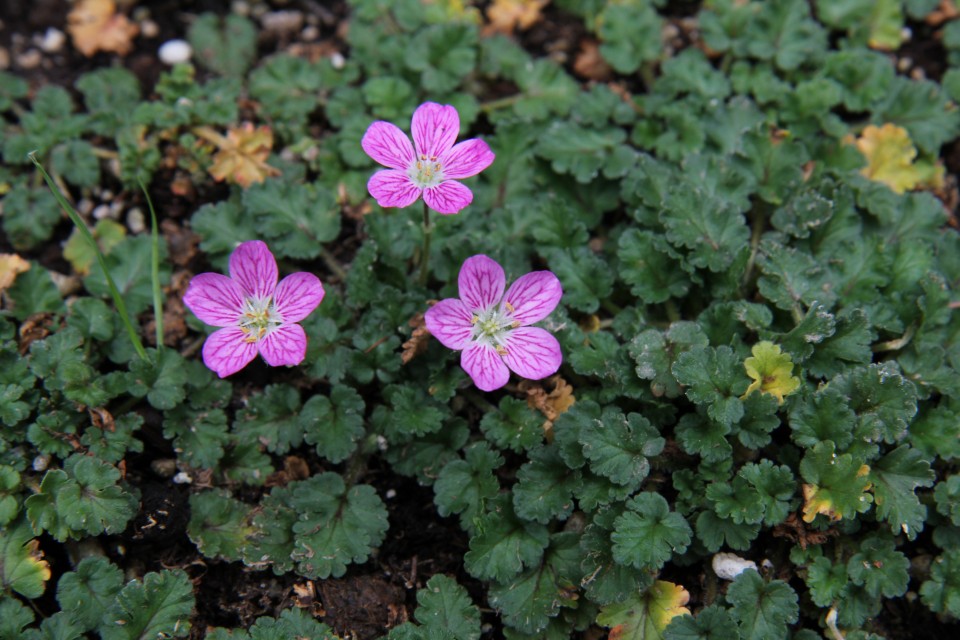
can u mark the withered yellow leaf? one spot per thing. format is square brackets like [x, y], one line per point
[771, 370]
[95, 26]
[10, 266]
[507, 15]
[242, 155]
[818, 500]
[892, 159]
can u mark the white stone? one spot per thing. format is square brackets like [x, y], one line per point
[149, 28]
[41, 462]
[728, 566]
[182, 478]
[337, 60]
[53, 40]
[172, 52]
[101, 211]
[136, 221]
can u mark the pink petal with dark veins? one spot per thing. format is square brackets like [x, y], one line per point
[254, 268]
[533, 296]
[449, 322]
[481, 282]
[532, 353]
[225, 352]
[484, 366]
[215, 299]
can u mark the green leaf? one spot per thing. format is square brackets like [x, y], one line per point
[464, 486]
[445, 606]
[941, 593]
[947, 495]
[22, 567]
[884, 401]
[112, 443]
[646, 614]
[775, 485]
[219, 524]
[443, 54]
[651, 267]
[711, 623]
[655, 352]
[826, 581]
[130, 266]
[88, 591]
[790, 277]
[222, 226]
[161, 378]
[710, 227]
[199, 435]
[334, 424]
[336, 526]
[629, 35]
[879, 567]
[14, 615]
[30, 216]
[619, 447]
[93, 502]
[837, 484]
[584, 152]
[715, 532]
[294, 218]
[110, 95]
[784, 32]
[515, 426]
[34, 292]
[411, 413]
[714, 379]
[824, 416]
[545, 89]
[762, 609]
[648, 534]
[274, 418]
[586, 277]
[158, 607]
[698, 435]
[528, 601]
[922, 108]
[849, 343]
[737, 501]
[544, 489]
[504, 544]
[895, 479]
[224, 45]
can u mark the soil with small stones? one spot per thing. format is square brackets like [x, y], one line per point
[380, 594]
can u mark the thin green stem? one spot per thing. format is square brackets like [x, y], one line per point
[155, 267]
[85, 232]
[425, 253]
[758, 225]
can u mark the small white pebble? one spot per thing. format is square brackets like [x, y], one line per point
[149, 29]
[172, 52]
[116, 208]
[182, 478]
[102, 211]
[84, 206]
[41, 462]
[240, 7]
[391, 494]
[309, 33]
[29, 59]
[136, 221]
[381, 443]
[53, 40]
[728, 566]
[281, 22]
[337, 60]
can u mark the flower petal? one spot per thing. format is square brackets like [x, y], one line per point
[388, 145]
[481, 282]
[467, 158]
[286, 345]
[449, 322]
[448, 197]
[435, 128]
[254, 268]
[532, 353]
[215, 299]
[393, 188]
[533, 296]
[483, 364]
[225, 352]
[297, 296]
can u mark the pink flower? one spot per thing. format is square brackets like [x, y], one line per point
[492, 328]
[431, 166]
[256, 313]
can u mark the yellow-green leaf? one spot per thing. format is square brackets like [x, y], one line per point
[892, 159]
[771, 370]
[645, 615]
[80, 254]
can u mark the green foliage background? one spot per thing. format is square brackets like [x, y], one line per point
[704, 200]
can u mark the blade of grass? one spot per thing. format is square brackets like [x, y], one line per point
[85, 232]
[155, 267]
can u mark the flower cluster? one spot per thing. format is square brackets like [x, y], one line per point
[256, 314]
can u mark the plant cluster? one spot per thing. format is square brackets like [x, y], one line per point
[736, 243]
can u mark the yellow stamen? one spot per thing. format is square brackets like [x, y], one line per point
[501, 350]
[509, 306]
[474, 319]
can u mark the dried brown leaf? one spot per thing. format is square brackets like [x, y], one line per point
[95, 26]
[505, 16]
[242, 155]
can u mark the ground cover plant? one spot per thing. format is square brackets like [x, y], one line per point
[663, 348]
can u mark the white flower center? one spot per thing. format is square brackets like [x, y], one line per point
[426, 172]
[492, 326]
[258, 319]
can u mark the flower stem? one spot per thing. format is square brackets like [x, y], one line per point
[425, 253]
